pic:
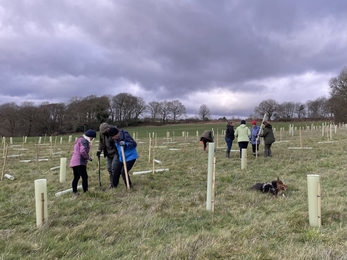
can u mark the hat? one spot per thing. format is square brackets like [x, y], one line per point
[103, 126]
[113, 131]
[254, 122]
[90, 133]
[243, 122]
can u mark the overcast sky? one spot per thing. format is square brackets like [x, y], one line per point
[229, 55]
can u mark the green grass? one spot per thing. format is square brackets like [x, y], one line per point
[165, 216]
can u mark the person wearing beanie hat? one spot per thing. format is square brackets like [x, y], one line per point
[229, 137]
[255, 140]
[113, 131]
[243, 134]
[90, 133]
[269, 138]
[124, 143]
[107, 147]
[79, 160]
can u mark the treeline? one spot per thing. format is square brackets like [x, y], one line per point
[81, 114]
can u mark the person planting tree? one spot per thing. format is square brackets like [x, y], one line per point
[127, 153]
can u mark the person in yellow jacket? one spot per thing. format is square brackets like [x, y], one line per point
[243, 134]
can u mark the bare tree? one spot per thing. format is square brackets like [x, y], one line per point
[338, 99]
[285, 110]
[177, 109]
[268, 107]
[154, 108]
[27, 116]
[300, 110]
[165, 110]
[8, 118]
[74, 114]
[316, 108]
[51, 117]
[127, 107]
[139, 108]
[204, 113]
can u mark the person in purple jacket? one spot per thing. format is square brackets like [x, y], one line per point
[123, 139]
[79, 160]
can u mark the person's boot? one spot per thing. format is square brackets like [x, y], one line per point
[111, 181]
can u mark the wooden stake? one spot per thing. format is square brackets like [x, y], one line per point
[55, 143]
[51, 154]
[125, 168]
[217, 139]
[300, 137]
[153, 162]
[319, 196]
[43, 207]
[213, 183]
[5, 159]
[37, 152]
[149, 149]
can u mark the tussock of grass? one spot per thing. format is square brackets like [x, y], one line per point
[165, 217]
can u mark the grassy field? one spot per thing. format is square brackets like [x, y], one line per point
[165, 216]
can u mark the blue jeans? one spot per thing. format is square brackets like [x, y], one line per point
[229, 144]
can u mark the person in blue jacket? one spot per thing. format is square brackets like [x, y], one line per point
[123, 139]
[255, 140]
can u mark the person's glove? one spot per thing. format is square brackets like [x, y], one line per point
[90, 159]
[122, 143]
[98, 154]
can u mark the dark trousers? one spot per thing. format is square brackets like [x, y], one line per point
[80, 171]
[242, 145]
[119, 170]
[205, 141]
[267, 151]
[111, 166]
[255, 148]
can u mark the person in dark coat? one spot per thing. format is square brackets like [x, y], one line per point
[269, 138]
[107, 147]
[206, 137]
[123, 140]
[229, 137]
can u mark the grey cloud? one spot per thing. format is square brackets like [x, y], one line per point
[171, 49]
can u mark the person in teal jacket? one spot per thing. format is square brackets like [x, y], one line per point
[123, 139]
[243, 134]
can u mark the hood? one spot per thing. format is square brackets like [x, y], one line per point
[103, 128]
[243, 126]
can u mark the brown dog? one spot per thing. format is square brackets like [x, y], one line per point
[274, 187]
